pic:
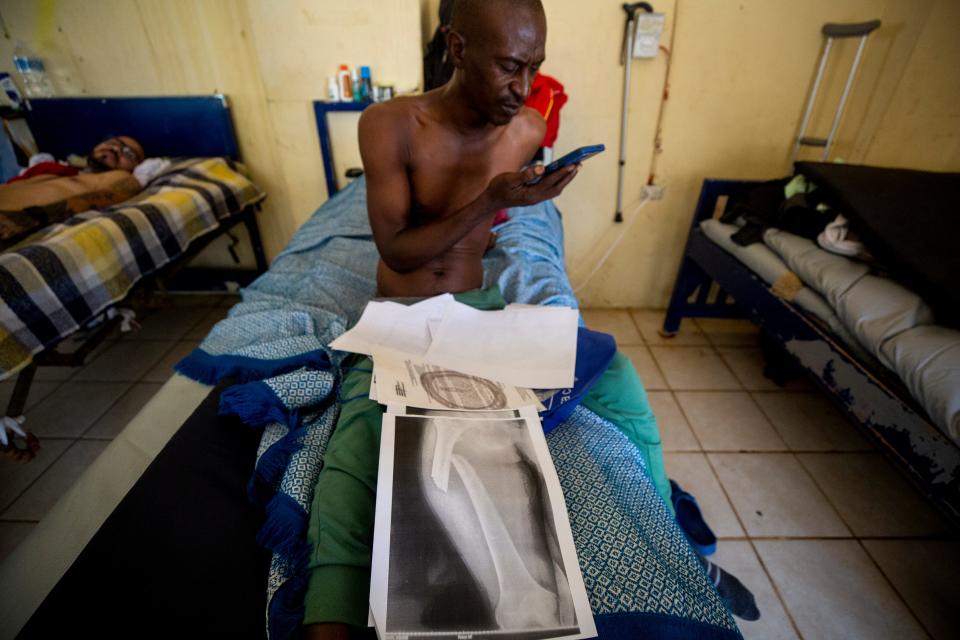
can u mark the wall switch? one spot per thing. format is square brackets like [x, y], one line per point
[653, 192]
[646, 40]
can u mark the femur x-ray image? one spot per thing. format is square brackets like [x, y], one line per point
[473, 545]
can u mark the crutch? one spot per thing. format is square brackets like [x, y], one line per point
[626, 58]
[831, 31]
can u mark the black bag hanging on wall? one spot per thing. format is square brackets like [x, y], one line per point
[437, 70]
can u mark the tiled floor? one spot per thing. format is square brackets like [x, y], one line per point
[76, 412]
[828, 536]
[830, 539]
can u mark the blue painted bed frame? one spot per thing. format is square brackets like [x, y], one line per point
[874, 400]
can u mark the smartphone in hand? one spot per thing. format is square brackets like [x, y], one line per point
[573, 157]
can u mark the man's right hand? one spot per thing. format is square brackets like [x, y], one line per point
[514, 189]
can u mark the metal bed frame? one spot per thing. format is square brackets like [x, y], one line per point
[875, 400]
[167, 126]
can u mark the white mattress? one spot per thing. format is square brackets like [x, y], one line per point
[888, 320]
[31, 571]
[768, 265]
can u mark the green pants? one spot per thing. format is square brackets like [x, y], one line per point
[341, 517]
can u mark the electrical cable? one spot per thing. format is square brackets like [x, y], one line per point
[613, 245]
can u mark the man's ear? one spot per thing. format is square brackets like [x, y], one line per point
[456, 43]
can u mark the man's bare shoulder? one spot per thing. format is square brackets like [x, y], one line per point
[529, 127]
[403, 110]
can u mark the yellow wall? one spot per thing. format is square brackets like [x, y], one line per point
[739, 72]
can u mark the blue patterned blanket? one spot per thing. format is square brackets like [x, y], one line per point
[641, 576]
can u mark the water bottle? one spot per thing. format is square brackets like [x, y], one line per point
[32, 73]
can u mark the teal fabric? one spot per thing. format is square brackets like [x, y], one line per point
[619, 397]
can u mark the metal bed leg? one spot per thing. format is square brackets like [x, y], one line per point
[689, 278]
[21, 390]
[250, 221]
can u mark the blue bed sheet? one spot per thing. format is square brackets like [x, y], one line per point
[642, 578]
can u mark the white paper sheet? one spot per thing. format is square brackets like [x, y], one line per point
[412, 382]
[462, 531]
[524, 347]
[393, 327]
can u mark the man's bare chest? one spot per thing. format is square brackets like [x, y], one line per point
[447, 175]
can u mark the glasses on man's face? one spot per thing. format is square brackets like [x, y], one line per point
[130, 152]
[125, 149]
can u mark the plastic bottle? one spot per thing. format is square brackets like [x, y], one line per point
[12, 97]
[343, 79]
[355, 85]
[366, 84]
[333, 90]
[32, 73]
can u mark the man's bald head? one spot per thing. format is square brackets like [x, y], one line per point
[469, 16]
[496, 47]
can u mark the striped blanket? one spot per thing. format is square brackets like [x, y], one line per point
[57, 280]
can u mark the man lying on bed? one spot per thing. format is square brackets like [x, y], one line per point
[438, 168]
[48, 192]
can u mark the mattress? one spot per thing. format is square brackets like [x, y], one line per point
[58, 280]
[771, 268]
[886, 319]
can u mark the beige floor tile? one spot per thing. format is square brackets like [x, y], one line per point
[125, 361]
[774, 496]
[16, 476]
[738, 558]
[871, 496]
[747, 365]
[925, 573]
[616, 322]
[833, 590]
[675, 432]
[45, 492]
[162, 371]
[55, 374]
[38, 392]
[168, 323]
[71, 409]
[228, 301]
[128, 406]
[646, 368]
[692, 472]
[650, 322]
[729, 421]
[694, 368]
[725, 332]
[11, 535]
[188, 300]
[808, 422]
[202, 328]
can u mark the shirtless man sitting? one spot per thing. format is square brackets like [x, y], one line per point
[440, 165]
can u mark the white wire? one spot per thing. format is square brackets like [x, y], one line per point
[613, 245]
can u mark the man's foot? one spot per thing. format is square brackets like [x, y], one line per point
[734, 594]
[16, 443]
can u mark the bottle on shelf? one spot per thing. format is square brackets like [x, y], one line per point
[344, 81]
[366, 84]
[333, 89]
[355, 85]
[33, 75]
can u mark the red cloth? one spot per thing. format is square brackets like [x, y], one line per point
[501, 217]
[547, 97]
[46, 168]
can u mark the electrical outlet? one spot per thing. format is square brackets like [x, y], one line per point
[653, 192]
